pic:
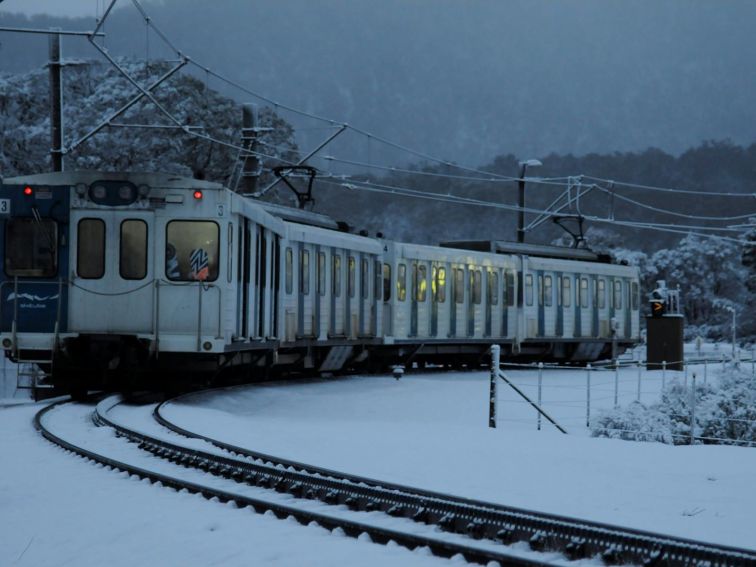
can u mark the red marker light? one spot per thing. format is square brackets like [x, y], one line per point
[198, 195]
[28, 191]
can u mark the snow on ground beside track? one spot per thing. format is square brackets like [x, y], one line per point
[430, 430]
[57, 509]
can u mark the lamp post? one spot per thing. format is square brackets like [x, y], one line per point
[521, 197]
[732, 310]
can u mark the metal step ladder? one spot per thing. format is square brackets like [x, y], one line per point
[30, 376]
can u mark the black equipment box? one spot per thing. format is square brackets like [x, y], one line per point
[664, 342]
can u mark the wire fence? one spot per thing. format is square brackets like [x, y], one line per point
[577, 396]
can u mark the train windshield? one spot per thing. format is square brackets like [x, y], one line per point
[192, 251]
[31, 247]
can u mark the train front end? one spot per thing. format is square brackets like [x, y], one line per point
[109, 276]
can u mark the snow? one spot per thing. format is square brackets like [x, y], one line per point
[58, 509]
[430, 431]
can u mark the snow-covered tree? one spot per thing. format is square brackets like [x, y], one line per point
[93, 91]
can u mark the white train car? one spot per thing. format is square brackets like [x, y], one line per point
[109, 276]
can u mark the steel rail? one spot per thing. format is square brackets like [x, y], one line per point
[351, 528]
[478, 519]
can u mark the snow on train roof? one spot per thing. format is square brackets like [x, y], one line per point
[163, 180]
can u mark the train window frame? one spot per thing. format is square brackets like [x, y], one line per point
[566, 291]
[493, 287]
[214, 255]
[336, 274]
[548, 291]
[401, 281]
[352, 276]
[510, 289]
[17, 246]
[421, 282]
[364, 279]
[459, 285]
[377, 280]
[584, 295]
[387, 282]
[304, 271]
[601, 293]
[289, 275]
[529, 290]
[94, 274]
[635, 296]
[321, 266]
[476, 284]
[618, 294]
[145, 250]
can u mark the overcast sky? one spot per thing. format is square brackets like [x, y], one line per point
[73, 8]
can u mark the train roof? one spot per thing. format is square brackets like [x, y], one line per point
[299, 216]
[164, 180]
[537, 250]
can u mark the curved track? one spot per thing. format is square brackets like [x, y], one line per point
[575, 539]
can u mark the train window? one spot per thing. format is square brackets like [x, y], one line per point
[548, 291]
[31, 247]
[377, 279]
[90, 249]
[401, 282]
[133, 250]
[634, 297]
[559, 291]
[601, 293]
[617, 294]
[196, 246]
[493, 287]
[304, 272]
[566, 291]
[439, 284]
[529, 289]
[321, 273]
[421, 281]
[540, 290]
[477, 284]
[459, 285]
[509, 289]
[289, 271]
[337, 275]
[230, 272]
[386, 282]
[352, 276]
[583, 292]
[364, 282]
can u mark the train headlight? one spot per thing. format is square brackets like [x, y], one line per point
[144, 191]
[81, 189]
[99, 192]
[7, 343]
[126, 192]
[207, 345]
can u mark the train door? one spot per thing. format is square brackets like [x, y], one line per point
[113, 271]
[267, 264]
[306, 299]
[34, 235]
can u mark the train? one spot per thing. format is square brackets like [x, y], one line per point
[115, 279]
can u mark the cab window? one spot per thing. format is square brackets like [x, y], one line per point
[90, 249]
[133, 250]
[192, 250]
[31, 247]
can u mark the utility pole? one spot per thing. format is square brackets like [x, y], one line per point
[521, 197]
[251, 162]
[56, 101]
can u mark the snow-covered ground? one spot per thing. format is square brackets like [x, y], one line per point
[58, 509]
[430, 430]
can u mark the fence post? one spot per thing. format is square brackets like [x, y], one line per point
[540, 383]
[616, 383]
[588, 395]
[495, 356]
[693, 411]
[639, 380]
[664, 374]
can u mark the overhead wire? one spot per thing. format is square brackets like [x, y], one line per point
[672, 190]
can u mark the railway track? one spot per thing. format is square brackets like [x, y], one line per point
[491, 525]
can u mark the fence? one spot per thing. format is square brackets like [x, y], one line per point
[573, 395]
